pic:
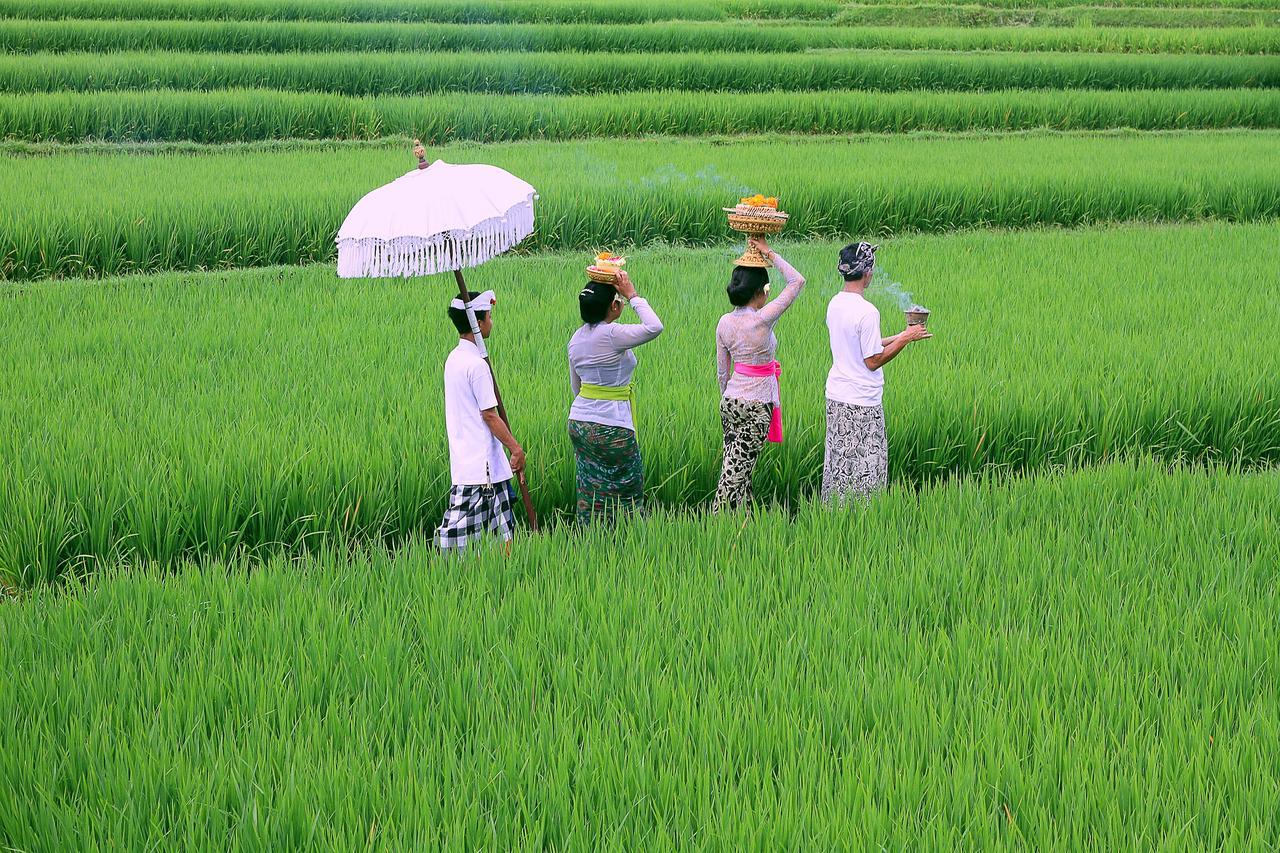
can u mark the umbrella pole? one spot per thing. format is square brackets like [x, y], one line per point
[502, 410]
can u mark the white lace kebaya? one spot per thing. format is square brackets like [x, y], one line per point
[745, 336]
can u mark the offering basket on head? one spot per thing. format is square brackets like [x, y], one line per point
[605, 268]
[755, 216]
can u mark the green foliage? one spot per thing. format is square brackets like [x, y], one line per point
[585, 73]
[209, 413]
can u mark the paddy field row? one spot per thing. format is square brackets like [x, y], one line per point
[247, 115]
[31, 36]
[585, 73]
[541, 11]
[105, 210]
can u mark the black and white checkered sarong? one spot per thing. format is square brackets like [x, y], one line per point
[474, 511]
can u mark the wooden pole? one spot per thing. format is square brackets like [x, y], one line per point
[465, 295]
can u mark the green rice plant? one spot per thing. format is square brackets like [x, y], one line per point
[213, 413]
[588, 73]
[1057, 662]
[28, 36]
[108, 211]
[450, 11]
[887, 15]
[260, 36]
[249, 115]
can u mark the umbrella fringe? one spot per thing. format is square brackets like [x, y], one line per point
[402, 257]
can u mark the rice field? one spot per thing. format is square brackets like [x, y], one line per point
[110, 211]
[1004, 669]
[67, 36]
[247, 115]
[580, 73]
[1078, 17]
[325, 420]
[226, 627]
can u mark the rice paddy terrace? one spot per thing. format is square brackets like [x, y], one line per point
[225, 625]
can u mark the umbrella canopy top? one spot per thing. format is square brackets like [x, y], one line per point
[444, 217]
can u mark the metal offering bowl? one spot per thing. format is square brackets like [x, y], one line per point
[919, 317]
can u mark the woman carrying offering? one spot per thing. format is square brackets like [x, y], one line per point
[601, 421]
[750, 410]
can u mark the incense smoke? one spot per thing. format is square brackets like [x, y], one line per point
[895, 289]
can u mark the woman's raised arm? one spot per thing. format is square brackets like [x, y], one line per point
[774, 309]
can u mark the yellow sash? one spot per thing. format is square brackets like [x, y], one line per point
[610, 392]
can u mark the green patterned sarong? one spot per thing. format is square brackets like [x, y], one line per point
[610, 471]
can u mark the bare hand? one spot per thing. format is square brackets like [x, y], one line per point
[914, 333]
[624, 286]
[517, 460]
[760, 244]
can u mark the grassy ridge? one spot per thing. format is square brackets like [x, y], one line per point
[1083, 660]
[273, 408]
[561, 73]
[26, 36]
[249, 115]
[444, 11]
[1067, 16]
[104, 213]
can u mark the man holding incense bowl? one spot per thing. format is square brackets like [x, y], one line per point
[480, 500]
[750, 405]
[856, 459]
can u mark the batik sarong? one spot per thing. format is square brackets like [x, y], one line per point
[856, 461]
[610, 470]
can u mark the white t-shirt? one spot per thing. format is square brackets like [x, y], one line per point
[854, 326]
[475, 456]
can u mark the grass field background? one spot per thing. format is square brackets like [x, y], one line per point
[224, 625]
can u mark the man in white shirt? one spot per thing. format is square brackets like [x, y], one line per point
[856, 459]
[480, 500]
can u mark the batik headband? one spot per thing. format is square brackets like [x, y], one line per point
[483, 302]
[857, 260]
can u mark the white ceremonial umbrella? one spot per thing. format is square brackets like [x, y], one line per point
[439, 218]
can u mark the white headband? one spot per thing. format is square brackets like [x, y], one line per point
[483, 302]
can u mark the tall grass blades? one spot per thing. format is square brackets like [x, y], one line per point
[248, 115]
[90, 213]
[27, 36]
[412, 73]
[1059, 662]
[273, 409]
[452, 11]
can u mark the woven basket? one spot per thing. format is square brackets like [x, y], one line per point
[755, 223]
[602, 276]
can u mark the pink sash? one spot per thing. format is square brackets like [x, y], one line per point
[771, 369]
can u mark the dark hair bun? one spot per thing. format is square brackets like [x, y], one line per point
[745, 283]
[594, 302]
